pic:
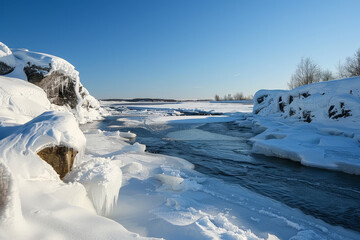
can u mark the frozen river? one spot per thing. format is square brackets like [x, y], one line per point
[222, 150]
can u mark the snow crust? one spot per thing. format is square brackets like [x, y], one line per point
[332, 138]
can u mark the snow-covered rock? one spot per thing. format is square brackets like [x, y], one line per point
[19, 150]
[7, 60]
[322, 101]
[57, 77]
[316, 125]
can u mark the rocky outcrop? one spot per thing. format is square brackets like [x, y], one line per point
[59, 88]
[5, 69]
[61, 158]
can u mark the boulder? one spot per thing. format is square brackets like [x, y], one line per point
[5, 69]
[60, 89]
[61, 158]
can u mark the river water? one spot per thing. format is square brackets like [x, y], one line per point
[331, 196]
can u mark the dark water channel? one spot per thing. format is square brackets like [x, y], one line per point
[331, 196]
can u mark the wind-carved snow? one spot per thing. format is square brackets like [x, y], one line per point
[102, 179]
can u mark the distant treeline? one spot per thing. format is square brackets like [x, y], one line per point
[236, 97]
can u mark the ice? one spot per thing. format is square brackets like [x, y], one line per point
[102, 179]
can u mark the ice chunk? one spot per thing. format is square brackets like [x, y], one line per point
[102, 179]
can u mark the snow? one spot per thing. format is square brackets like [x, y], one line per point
[329, 141]
[6, 55]
[20, 101]
[142, 194]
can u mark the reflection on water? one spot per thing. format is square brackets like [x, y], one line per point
[331, 196]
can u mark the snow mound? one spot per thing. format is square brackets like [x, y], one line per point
[20, 101]
[333, 100]
[102, 179]
[19, 150]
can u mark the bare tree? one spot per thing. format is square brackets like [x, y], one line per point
[326, 76]
[307, 72]
[352, 66]
[239, 96]
[217, 98]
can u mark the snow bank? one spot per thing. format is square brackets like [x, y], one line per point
[316, 125]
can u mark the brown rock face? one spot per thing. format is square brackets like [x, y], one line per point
[59, 88]
[61, 158]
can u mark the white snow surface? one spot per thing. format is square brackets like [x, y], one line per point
[20, 101]
[325, 142]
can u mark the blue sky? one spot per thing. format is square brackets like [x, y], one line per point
[184, 49]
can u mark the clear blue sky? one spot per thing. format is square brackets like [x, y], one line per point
[187, 48]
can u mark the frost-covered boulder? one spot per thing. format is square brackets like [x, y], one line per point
[19, 150]
[57, 77]
[331, 100]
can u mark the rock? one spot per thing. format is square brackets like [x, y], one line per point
[35, 73]
[5, 69]
[61, 158]
[59, 88]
